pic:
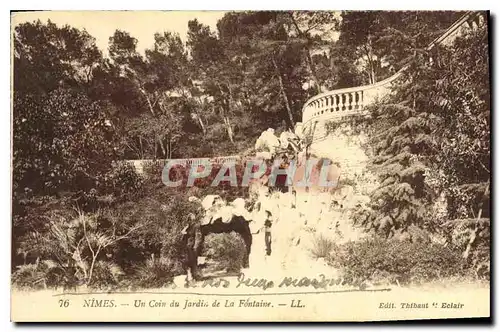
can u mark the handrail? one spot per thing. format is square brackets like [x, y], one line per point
[357, 88]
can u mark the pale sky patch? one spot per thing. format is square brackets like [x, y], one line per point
[140, 24]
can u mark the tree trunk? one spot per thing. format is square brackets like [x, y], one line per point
[169, 149]
[141, 148]
[283, 93]
[225, 109]
[226, 118]
[150, 106]
[312, 70]
[373, 73]
[473, 237]
[229, 129]
[155, 148]
[371, 65]
[307, 51]
[202, 125]
[162, 147]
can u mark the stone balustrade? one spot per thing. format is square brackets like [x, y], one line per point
[336, 105]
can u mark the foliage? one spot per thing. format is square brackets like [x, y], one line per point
[380, 260]
[227, 250]
[414, 132]
[124, 180]
[77, 244]
[61, 141]
[156, 273]
[39, 275]
[106, 274]
[382, 42]
[322, 246]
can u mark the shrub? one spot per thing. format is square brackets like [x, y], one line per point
[39, 275]
[322, 246]
[156, 272]
[227, 250]
[105, 275]
[77, 246]
[153, 170]
[378, 260]
[124, 180]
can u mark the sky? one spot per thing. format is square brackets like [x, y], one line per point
[140, 24]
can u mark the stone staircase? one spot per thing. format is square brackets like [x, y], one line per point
[339, 105]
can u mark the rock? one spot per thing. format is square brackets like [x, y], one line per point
[193, 199]
[298, 129]
[238, 209]
[238, 204]
[287, 138]
[266, 155]
[267, 141]
[345, 192]
[209, 201]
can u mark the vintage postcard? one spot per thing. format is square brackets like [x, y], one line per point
[277, 166]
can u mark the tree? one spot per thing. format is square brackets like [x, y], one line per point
[272, 60]
[382, 42]
[463, 96]
[152, 125]
[218, 73]
[61, 137]
[431, 139]
[47, 57]
[311, 29]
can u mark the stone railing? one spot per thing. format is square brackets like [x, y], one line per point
[335, 105]
[345, 102]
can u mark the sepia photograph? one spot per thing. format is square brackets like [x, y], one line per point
[250, 166]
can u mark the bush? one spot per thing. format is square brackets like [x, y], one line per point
[124, 180]
[322, 246]
[377, 260]
[153, 170]
[39, 275]
[227, 250]
[156, 273]
[105, 275]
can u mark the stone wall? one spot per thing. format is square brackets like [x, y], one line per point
[345, 143]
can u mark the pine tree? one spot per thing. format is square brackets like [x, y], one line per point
[431, 139]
